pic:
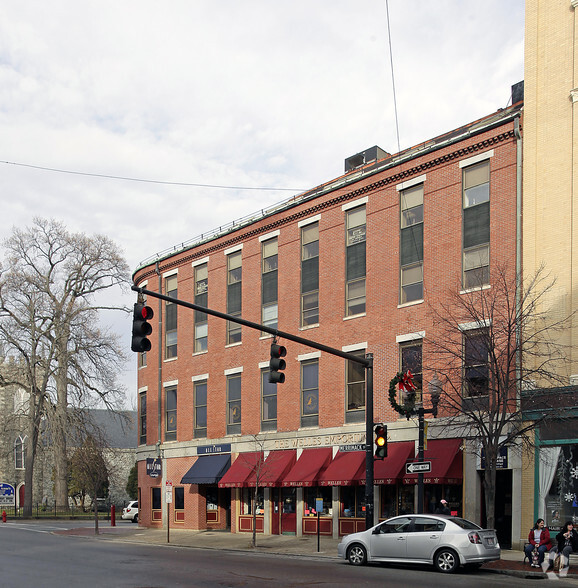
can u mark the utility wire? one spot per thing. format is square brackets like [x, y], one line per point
[392, 75]
[110, 177]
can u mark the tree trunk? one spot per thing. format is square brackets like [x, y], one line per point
[490, 487]
[254, 539]
[60, 427]
[35, 413]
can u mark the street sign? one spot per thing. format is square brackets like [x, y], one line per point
[418, 467]
[168, 492]
[352, 447]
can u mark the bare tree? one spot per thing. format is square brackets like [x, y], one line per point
[490, 345]
[62, 275]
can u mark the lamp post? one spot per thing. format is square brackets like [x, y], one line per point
[411, 408]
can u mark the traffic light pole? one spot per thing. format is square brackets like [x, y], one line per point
[366, 362]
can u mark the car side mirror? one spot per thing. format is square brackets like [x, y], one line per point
[376, 531]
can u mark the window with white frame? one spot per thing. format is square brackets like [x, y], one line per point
[310, 274]
[411, 247]
[171, 318]
[268, 402]
[269, 286]
[234, 404]
[200, 408]
[476, 369]
[20, 452]
[355, 252]
[171, 413]
[410, 357]
[310, 393]
[202, 299]
[355, 390]
[234, 291]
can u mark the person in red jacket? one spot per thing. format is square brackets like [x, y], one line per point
[538, 538]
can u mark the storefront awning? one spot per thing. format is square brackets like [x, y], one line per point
[310, 464]
[344, 470]
[277, 464]
[392, 468]
[446, 463]
[208, 469]
[241, 469]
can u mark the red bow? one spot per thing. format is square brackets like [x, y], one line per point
[406, 382]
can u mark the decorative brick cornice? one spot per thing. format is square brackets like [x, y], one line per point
[340, 199]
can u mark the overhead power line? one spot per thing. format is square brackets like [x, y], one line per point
[126, 179]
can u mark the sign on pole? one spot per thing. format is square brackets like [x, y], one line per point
[418, 467]
[168, 492]
[7, 496]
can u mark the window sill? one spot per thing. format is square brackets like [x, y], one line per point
[306, 328]
[354, 316]
[166, 360]
[265, 336]
[477, 289]
[231, 345]
[412, 303]
[199, 353]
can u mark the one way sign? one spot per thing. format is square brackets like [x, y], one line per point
[417, 467]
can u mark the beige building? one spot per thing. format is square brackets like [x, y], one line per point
[550, 231]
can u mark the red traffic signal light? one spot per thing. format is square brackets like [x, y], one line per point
[276, 364]
[141, 328]
[380, 442]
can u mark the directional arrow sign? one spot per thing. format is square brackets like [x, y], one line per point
[417, 467]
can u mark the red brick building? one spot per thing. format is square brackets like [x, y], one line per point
[355, 264]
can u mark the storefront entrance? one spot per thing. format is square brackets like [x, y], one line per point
[502, 508]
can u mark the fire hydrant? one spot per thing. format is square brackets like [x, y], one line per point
[3, 516]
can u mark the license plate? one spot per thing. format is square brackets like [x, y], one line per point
[490, 540]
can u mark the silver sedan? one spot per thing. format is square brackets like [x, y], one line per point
[443, 541]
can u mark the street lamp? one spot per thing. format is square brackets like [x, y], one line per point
[410, 408]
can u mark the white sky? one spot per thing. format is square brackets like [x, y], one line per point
[255, 93]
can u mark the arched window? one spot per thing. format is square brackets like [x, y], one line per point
[20, 452]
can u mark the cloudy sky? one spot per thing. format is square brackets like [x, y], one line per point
[269, 95]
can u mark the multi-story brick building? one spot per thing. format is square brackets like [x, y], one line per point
[358, 264]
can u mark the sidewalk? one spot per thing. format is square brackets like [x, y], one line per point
[511, 562]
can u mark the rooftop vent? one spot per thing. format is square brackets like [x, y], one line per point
[518, 92]
[372, 154]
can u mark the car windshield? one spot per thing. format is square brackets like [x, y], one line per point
[464, 523]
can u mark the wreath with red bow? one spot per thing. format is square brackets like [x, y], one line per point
[405, 382]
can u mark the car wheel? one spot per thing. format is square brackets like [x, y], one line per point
[135, 518]
[447, 561]
[357, 555]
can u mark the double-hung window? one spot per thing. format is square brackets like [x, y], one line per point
[171, 413]
[200, 408]
[171, 318]
[411, 360]
[234, 404]
[355, 390]
[268, 402]
[234, 289]
[476, 225]
[476, 362]
[411, 248]
[202, 299]
[310, 274]
[269, 289]
[355, 268]
[310, 393]
[142, 401]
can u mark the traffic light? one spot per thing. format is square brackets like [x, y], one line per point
[141, 328]
[276, 364]
[380, 443]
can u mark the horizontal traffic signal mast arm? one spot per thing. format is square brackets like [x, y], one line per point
[331, 350]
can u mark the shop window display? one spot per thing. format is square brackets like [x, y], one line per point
[310, 496]
[247, 498]
[352, 499]
[559, 472]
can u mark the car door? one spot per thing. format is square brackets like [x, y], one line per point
[425, 536]
[389, 540]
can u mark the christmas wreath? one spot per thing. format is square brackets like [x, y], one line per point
[405, 382]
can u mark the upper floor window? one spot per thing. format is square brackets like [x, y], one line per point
[355, 390]
[234, 290]
[476, 363]
[355, 261]
[234, 404]
[411, 236]
[476, 225]
[310, 274]
[411, 359]
[171, 318]
[200, 408]
[310, 393]
[20, 452]
[171, 413]
[142, 402]
[268, 403]
[269, 287]
[202, 299]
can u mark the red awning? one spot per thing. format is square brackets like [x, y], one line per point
[308, 467]
[392, 468]
[344, 469]
[446, 463]
[240, 470]
[277, 464]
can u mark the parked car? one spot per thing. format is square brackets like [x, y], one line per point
[443, 541]
[130, 512]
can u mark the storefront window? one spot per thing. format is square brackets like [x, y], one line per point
[388, 501]
[352, 499]
[310, 497]
[212, 498]
[406, 500]
[247, 497]
[559, 472]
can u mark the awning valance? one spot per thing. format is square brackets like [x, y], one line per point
[392, 468]
[274, 469]
[241, 469]
[344, 470]
[310, 464]
[208, 469]
[446, 463]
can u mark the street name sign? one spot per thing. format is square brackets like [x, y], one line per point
[418, 467]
